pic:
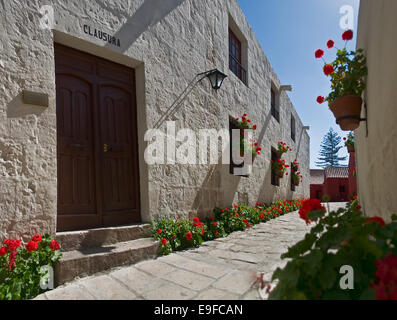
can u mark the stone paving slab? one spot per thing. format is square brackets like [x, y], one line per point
[221, 269]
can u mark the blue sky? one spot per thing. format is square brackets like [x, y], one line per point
[289, 31]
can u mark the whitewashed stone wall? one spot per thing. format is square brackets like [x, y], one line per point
[376, 155]
[168, 44]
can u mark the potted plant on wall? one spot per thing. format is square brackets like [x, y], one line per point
[296, 176]
[246, 146]
[282, 148]
[279, 166]
[347, 73]
[349, 142]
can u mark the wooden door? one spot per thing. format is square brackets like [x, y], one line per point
[97, 150]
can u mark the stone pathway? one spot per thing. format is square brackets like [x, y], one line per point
[225, 268]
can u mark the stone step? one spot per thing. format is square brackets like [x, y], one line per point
[87, 261]
[82, 239]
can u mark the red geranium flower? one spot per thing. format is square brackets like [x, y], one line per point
[11, 244]
[195, 219]
[328, 69]
[159, 230]
[189, 236]
[261, 216]
[330, 44]
[320, 99]
[347, 35]
[36, 238]
[54, 245]
[319, 53]
[308, 206]
[3, 251]
[214, 224]
[164, 241]
[254, 127]
[376, 219]
[32, 246]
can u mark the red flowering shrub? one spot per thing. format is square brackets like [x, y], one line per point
[183, 234]
[386, 278]
[374, 219]
[308, 206]
[20, 266]
[341, 238]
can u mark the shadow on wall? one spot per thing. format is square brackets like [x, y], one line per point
[267, 180]
[219, 179]
[147, 15]
[299, 144]
[16, 108]
[211, 188]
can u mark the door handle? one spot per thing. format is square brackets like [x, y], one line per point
[106, 147]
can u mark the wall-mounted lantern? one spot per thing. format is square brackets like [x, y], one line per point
[215, 76]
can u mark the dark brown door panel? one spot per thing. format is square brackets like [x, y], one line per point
[98, 181]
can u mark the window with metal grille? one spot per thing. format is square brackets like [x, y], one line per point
[235, 60]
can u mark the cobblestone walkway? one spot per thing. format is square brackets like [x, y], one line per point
[225, 268]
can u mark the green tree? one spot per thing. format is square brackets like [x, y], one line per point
[328, 155]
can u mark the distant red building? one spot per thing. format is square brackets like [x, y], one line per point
[339, 183]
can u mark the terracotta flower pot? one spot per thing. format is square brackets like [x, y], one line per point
[350, 148]
[279, 173]
[347, 111]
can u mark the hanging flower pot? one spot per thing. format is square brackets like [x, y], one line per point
[347, 111]
[349, 142]
[279, 173]
[246, 146]
[279, 167]
[296, 178]
[347, 74]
